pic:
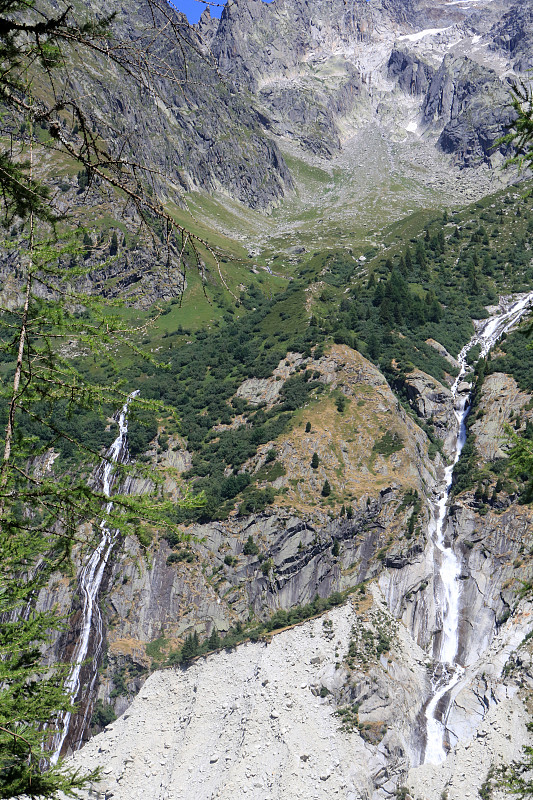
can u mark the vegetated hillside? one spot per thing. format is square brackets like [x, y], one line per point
[317, 476]
[403, 308]
[396, 309]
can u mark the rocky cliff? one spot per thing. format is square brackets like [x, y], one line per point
[341, 699]
[317, 67]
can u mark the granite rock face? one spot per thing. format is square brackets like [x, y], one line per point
[192, 130]
[298, 57]
[513, 34]
[412, 74]
[341, 698]
[268, 729]
[473, 103]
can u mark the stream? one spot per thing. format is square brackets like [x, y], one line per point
[448, 672]
[89, 582]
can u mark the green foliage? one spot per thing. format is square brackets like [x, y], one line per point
[270, 473]
[296, 391]
[267, 566]
[142, 430]
[521, 136]
[191, 647]
[256, 501]
[103, 714]
[282, 618]
[388, 444]
[326, 489]
[270, 456]
[315, 461]
[250, 547]
[154, 648]
[181, 555]
[517, 360]
[340, 403]
[214, 641]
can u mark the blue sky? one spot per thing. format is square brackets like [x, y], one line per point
[193, 8]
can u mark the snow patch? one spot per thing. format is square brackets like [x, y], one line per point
[415, 37]
[466, 2]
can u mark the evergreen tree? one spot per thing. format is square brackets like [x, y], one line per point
[315, 461]
[326, 489]
[421, 254]
[41, 515]
[113, 247]
[520, 137]
[214, 641]
[402, 266]
[190, 648]
[374, 347]
[250, 547]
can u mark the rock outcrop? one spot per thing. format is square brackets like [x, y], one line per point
[278, 725]
[272, 726]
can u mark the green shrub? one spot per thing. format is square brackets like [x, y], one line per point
[250, 548]
[256, 501]
[181, 555]
[153, 649]
[103, 715]
[341, 402]
[388, 444]
[266, 566]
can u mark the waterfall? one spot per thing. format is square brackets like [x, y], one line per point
[89, 581]
[447, 673]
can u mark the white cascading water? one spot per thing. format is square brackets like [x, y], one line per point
[448, 672]
[89, 582]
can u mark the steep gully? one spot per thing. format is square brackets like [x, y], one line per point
[82, 678]
[448, 672]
